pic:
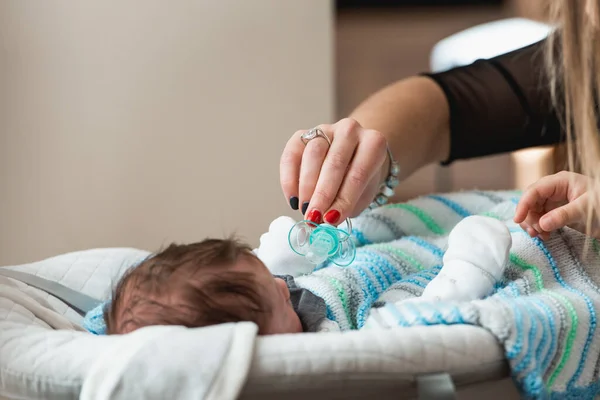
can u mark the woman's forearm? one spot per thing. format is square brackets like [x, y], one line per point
[414, 116]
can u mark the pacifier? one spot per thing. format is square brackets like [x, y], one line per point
[319, 243]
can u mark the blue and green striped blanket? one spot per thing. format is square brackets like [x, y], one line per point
[544, 314]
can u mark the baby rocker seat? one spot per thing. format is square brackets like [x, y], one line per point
[45, 354]
[540, 322]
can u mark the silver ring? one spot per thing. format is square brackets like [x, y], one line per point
[313, 134]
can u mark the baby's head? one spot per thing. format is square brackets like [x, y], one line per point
[201, 284]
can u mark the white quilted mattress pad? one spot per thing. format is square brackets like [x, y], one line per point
[41, 361]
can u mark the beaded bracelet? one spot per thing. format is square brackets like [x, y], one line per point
[387, 187]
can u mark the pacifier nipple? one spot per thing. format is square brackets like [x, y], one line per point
[322, 245]
[319, 243]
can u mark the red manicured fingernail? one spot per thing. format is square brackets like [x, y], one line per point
[314, 216]
[332, 216]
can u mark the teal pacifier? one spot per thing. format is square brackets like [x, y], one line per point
[319, 243]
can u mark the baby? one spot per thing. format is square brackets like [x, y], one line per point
[208, 283]
[218, 281]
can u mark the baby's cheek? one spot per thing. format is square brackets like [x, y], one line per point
[295, 323]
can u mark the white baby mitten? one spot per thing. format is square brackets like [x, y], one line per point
[274, 250]
[477, 254]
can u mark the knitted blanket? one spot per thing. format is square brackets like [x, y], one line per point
[544, 313]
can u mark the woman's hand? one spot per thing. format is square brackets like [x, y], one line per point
[553, 202]
[332, 183]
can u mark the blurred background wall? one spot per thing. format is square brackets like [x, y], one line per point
[136, 123]
[381, 41]
[140, 123]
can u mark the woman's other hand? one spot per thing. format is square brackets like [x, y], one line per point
[329, 184]
[553, 202]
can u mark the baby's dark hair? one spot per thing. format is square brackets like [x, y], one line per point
[193, 285]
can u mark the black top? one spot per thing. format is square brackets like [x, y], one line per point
[500, 105]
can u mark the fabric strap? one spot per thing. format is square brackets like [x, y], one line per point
[78, 301]
[436, 387]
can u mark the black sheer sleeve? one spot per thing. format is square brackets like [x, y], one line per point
[499, 105]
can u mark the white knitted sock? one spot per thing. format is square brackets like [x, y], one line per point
[477, 255]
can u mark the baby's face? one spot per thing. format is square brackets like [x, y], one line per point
[283, 318]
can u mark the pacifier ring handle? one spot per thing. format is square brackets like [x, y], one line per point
[348, 229]
[323, 242]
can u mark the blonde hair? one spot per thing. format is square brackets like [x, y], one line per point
[573, 63]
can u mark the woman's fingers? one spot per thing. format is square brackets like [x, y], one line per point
[550, 188]
[524, 206]
[531, 201]
[289, 168]
[328, 182]
[530, 231]
[333, 169]
[551, 203]
[313, 163]
[531, 223]
[366, 165]
[573, 213]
